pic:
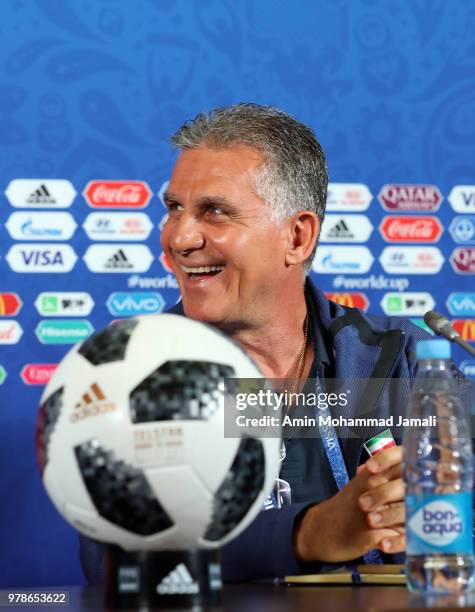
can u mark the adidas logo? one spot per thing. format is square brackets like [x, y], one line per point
[92, 403]
[41, 196]
[94, 394]
[178, 582]
[118, 260]
[340, 230]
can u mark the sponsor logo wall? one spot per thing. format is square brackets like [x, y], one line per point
[390, 246]
[68, 273]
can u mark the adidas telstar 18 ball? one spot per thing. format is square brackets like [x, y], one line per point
[130, 437]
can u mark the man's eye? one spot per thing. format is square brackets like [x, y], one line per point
[173, 206]
[216, 210]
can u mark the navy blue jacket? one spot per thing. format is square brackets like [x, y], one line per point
[365, 347]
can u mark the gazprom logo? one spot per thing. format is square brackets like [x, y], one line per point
[129, 304]
[437, 523]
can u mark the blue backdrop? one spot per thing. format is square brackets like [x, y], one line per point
[91, 90]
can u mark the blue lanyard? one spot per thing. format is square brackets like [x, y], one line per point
[337, 463]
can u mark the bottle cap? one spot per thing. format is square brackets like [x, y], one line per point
[438, 348]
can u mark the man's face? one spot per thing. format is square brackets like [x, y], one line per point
[226, 250]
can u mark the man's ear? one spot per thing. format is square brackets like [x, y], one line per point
[304, 228]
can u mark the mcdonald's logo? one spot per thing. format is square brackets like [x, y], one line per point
[466, 328]
[353, 300]
[10, 304]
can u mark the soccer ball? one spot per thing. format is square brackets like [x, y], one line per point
[130, 437]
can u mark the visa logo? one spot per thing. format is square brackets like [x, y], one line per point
[468, 198]
[125, 304]
[50, 258]
[42, 258]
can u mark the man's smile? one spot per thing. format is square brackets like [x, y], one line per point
[200, 273]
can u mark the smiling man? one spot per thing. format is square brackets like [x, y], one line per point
[246, 200]
[238, 266]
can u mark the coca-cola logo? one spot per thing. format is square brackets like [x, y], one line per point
[117, 194]
[406, 198]
[411, 229]
[463, 260]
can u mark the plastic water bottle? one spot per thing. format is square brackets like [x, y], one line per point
[438, 473]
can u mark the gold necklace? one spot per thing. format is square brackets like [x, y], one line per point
[301, 357]
[296, 383]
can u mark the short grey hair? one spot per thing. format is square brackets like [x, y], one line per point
[294, 176]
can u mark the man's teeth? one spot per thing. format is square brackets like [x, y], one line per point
[202, 269]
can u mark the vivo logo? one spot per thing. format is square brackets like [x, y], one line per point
[47, 258]
[134, 303]
[461, 304]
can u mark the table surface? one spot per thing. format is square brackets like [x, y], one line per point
[280, 598]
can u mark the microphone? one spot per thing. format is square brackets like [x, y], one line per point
[440, 325]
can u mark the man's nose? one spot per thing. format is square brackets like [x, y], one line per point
[187, 234]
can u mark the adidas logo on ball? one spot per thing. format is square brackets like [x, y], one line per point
[92, 402]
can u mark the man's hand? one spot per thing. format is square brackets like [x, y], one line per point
[366, 513]
[384, 500]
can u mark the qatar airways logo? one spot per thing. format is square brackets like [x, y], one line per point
[411, 229]
[406, 198]
[117, 194]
